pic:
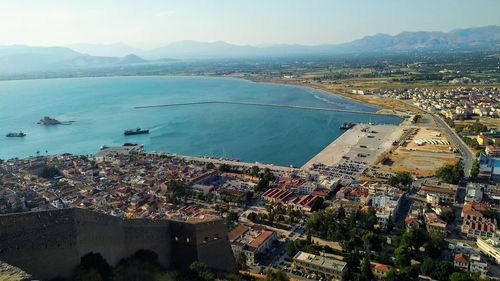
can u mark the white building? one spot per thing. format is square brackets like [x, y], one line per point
[490, 247]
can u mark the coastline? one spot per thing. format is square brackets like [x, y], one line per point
[320, 91]
[383, 104]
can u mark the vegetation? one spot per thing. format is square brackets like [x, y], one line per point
[474, 170]
[403, 179]
[451, 173]
[295, 246]
[144, 266]
[49, 172]
[448, 215]
[276, 275]
[175, 190]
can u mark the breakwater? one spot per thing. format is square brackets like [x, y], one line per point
[262, 104]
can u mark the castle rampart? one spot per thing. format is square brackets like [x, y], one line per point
[50, 243]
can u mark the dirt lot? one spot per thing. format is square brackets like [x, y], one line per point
[418, 163]
[427, 136]
[493, 123]
[420, 160]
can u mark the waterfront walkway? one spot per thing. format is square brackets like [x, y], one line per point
[264, 104]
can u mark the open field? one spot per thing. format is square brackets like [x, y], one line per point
[420, 160]
[418, 163]
[493, 123]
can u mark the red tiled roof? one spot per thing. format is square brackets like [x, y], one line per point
[237, 232]
[474, 209]
[461, 259]
[261, 238]
[382, 267]
[438, 190]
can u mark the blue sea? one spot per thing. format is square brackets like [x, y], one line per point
[103, 108]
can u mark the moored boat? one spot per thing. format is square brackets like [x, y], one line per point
[137, 131]
[16, 135]
[346, 126]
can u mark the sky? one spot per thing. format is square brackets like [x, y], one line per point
[152, 23]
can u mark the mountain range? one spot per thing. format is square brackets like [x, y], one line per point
[22, 58]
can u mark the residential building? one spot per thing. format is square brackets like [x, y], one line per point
[477, 265]
[492, 151]
[435, 223]
[461, 261]
[380, 270]
[330, 267]
[475, 224]
[436, 195]
[251, 241]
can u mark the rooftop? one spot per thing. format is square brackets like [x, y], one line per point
[320, 261]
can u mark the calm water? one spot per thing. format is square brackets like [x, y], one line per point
[103, 108]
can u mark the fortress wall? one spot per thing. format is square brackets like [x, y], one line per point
[42, 243]
[150, 235]
[48, 244]
[199, 242]
[99, 233]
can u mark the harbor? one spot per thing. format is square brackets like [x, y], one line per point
[359, 146]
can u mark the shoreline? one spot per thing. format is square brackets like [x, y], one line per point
[294, 85]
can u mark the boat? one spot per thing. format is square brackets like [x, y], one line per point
[137, 131]
[48, 121]
[346, 126]
[16, 135]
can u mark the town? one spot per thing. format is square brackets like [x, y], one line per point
[334, 219]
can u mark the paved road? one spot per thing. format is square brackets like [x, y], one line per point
[464, 149]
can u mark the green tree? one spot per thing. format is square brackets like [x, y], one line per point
[436, 244]
[201, 271]
[402, 256]
[93, 266]
[451, 173]
[49, 172]
[317, 204]
[276, 275]
[254, 171]
[448, 215]
[402, 179]
[365, 270]
[442, 271]
[460, 276]
[427, 267]
[263, 184]
[394, 275]
[142, 265]
[224, 168]
[474, 170]
[294, 246]
[241, 260]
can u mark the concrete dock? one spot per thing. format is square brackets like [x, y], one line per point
[361, 144]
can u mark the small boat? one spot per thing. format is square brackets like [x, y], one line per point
[16, 135]
[137, 131]
[346, 126]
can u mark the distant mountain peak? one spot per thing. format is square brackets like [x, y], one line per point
[131, 59]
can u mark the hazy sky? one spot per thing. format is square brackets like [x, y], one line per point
[151, 23]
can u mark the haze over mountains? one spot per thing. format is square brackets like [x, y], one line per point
[21, 58]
